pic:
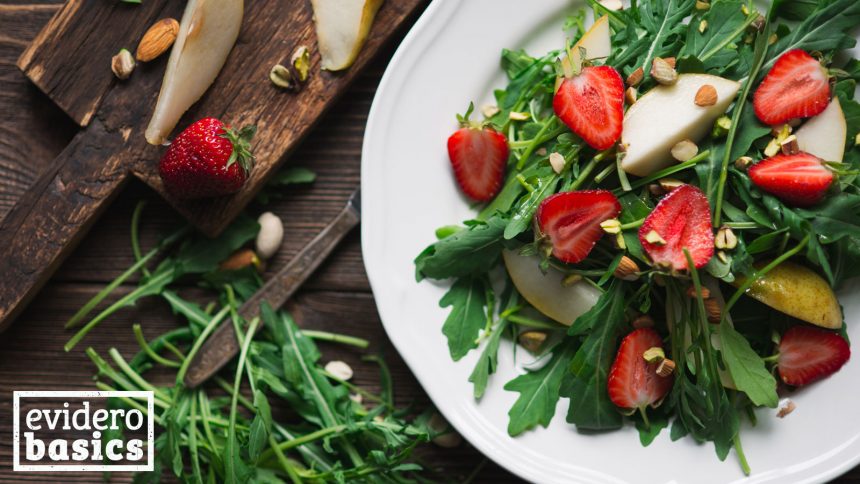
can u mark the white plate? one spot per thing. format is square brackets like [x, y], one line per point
[449, 58]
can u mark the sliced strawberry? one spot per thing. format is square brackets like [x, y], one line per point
[592, 105]
[796, 87]
[800, 179]
[571, 221]
[682, 220]
[808, 354]
[479, 157]
[633, 382]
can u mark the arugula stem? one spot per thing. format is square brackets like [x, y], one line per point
[336, 338]
[586, 171]
[742, 225]
[135, 230]
[92, 303]
[533, 323]
[633, 225]
[285, 463]
[731, 37]
[134, 376]
[139, 291]
[539, 140]
[192, 444]
[745, 466]
[130, 402]
[667, 171]
[213, 323]
[644, 413]
[534, 144]
[231, 432]
[141, 341]
[758, 59]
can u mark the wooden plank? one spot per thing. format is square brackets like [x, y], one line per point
[55, 213]
[243, 95]
[114, 142]
[70, 59]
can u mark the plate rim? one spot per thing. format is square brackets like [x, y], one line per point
[432, 19]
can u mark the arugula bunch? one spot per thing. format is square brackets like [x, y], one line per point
[728, 38]
[334, 431]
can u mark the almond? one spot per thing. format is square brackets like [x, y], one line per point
[635, 77]
[685, 150]
[627, 269]
[157, 39]
[663, 71]
[630, 95]
[706, 96]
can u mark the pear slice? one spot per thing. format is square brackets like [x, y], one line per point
[207, 33]
[667, 115]
[545, 291]
[596, 42]
[824, 135]
[342, 28]
[799, 292]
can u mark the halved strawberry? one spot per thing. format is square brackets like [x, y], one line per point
[682, 220]
[633, 382]
[479, 156]
[571, 221]
[808, 354]
[796, 87]
[591, 104]
[800, 179]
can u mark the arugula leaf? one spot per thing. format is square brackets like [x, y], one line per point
[656, 423]
[261, 426]
[590, 407]
[543, 185]
[472, 251]
[488, 360]
[539, 390]
[205, 254]
[468, 298]
[796, 10]
[715, 46]
[826, 28]
[514, 62]
[609, 307]
[663, 21]
[845, 91]
[288, 176]
[747, 369]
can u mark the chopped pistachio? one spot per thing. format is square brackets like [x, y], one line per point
[654, 354]
[281, 77]
[490, 110]
[611, 226]
[518, 116]
[725, 238]
[301, 62]
[653, 237]
[556, 160]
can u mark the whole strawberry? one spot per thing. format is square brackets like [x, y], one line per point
[207, 159]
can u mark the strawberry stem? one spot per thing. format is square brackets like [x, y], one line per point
[644, 414]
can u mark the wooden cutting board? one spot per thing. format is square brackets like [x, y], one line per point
[70, 62]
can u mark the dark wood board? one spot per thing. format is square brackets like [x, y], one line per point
[53, 215]
[33, 131]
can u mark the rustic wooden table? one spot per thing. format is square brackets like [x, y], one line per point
[33, 131]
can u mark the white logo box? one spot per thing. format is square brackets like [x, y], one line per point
[89, 395]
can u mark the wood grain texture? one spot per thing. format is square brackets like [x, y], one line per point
[78, 78]
[113, 143]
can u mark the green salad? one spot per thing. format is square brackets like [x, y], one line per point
[664, 209]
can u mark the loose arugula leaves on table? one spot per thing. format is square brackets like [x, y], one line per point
[215, 433]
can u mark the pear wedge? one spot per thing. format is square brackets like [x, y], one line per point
[597, 42]
[667, 115]
[207, 33]
[545, 291]
[799, 292]
[342, 28]
[824, 135]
